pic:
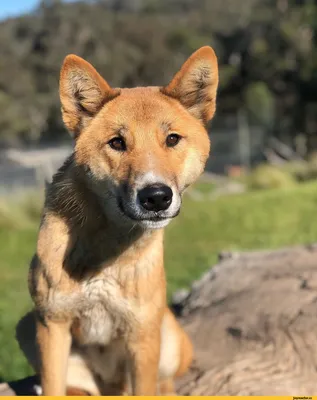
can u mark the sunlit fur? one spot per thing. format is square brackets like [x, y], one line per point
[97, 279]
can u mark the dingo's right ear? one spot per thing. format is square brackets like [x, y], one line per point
[83, 92]
[195, 85]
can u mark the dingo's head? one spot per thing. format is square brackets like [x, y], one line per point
[140, 148]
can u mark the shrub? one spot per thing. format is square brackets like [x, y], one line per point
[270, 177]
[302, 170]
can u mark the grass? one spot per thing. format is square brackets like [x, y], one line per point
[254, 220]
[204, 188]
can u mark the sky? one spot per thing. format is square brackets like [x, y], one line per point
[12, 8]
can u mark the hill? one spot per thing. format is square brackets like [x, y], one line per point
[266, 51]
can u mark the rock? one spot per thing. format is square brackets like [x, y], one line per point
[253, 320]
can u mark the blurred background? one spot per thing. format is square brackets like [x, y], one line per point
[259, 190]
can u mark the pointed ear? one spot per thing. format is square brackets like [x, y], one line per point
[83, 92]
[195, 85]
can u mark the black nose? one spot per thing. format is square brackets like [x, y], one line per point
[155, 197]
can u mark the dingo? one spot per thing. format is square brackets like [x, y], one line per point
[97, 278]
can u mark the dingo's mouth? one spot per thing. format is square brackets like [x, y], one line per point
[154, 221]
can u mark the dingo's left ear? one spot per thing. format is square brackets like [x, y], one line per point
[195, 85]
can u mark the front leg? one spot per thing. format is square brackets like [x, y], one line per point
[145, 356]
[54, 341]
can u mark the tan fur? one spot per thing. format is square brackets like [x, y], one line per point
[97, 279]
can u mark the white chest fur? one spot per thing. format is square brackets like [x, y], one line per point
[107, 314]
[112, 302]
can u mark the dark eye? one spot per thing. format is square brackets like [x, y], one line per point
[118, 144]
[172, 140]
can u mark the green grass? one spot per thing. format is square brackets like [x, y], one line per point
[254, 220]
[205, 188]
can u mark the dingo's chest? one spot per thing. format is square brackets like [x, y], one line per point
[105, 313]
